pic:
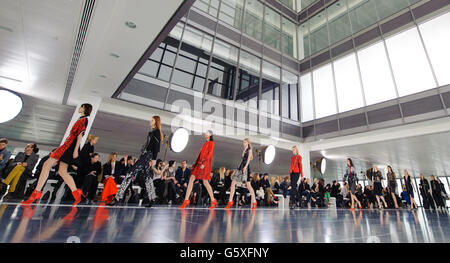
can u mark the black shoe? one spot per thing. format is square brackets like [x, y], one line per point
[150, 204]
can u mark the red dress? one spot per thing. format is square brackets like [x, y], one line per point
[204, 157]
[64, 152]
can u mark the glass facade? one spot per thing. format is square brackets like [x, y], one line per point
[412, 60]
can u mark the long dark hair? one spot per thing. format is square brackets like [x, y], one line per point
[87, 109]
[392, 171]
[211, 137]
[351, 162]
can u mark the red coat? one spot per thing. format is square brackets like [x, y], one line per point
[296, 164]
[204, 157]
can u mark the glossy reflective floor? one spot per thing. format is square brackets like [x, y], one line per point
[161, 224]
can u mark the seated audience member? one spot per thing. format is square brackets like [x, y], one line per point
[21, 167]
[111, 174]
[359, 193]
[158, 172]
[4, 154]
[182, 176]
[170, 191]
[405, 196]
[305, 190]
[84, 158]
[344, 193]
[334, 189]
[368, 192]
[269, 197]
[284, 186]
[276, 188]
[339, 196]
[92, 170]
[327, 193]
[217, 184]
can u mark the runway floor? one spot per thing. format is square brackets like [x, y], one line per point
[163, 224]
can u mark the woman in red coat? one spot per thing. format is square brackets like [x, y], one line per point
[65, 155]
[201, 170]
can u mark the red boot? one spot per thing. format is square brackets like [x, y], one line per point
[254, 206]
[35, 196]
[229, 205]
[213, 204]
[185, 203]
[77, 196]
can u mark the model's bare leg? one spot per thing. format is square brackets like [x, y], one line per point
[66, 176]
[384, 201]
[395, 200]
[209, 189]
[189, 188]
[232, 190]
[44, 173]
[352, 197]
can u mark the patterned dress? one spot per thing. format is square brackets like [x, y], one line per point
[64, 153]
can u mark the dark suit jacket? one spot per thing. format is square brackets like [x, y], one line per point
[31, 162]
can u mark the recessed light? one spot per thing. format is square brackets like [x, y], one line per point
[130, 24]
[102, 76]
[114, 55]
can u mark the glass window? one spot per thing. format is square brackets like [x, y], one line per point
[222, 72]
[409, 63]
[270, 90]
[289, 3]
[302, 4]
[290, 95]
[253, 18]
[338, 21]
[231, 12]
[208, 6]
[150, 68]
[436, 35]
[324, 98]
[306, 98]
[272, 28]
[303, 41]
[192, 61]
[376, 74]
[362, 14]
[348, 85]
[289, 38]
[318, 32]
[248, 80]
[387, 8]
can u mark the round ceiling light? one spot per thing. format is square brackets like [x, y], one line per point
[11, 105]
[269, 154]
[179, 140]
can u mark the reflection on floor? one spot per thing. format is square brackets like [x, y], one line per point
[63, 223]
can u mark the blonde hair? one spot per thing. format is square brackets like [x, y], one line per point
[295, 147]
[250, 147]
[91, 137]
[110, 156]
[272, 180]
[222, 171]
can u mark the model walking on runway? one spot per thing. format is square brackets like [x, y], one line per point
[392, 184]
[352, 179]
[409, 188]
[295, 172]
[65, 154]
[377, 180]
[201, 170]
[149, 153]
[243, 175]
